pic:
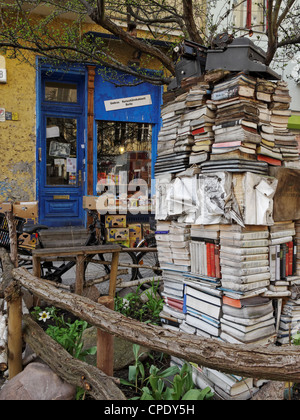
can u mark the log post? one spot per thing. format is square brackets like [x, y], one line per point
[13, 239]
[37, 271]
[113, 274]
[105, 342]
[13, 297]
[79, 274]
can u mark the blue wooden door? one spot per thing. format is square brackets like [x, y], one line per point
[61, 152]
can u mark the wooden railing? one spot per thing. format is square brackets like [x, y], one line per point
[264, 362]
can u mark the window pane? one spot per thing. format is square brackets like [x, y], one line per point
[123, 147]
[60, 92]
[61, 159]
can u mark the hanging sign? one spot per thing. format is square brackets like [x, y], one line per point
[131, 102]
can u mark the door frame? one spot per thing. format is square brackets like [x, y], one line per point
[47, 109]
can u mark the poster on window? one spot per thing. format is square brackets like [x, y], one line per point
[58, 149]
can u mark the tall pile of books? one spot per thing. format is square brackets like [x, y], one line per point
[236, 123]
[280, 113]
[244, 256]
[174, 257]
[282, 257]
[182, 118]
[180, 246]
[202, 306]
[220, 281]
[172, 314]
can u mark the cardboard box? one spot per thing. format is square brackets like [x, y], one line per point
[135, 234]
[117, 234]
[26, 210]
[287, 196]
[89, 202]
[117, 221]
[5, 207]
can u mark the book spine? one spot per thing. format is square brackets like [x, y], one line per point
[287, 259]
[277, 269]
[294, 257]
[282, 261]
[208, 259]
[291, 254]
[213, 262]
[217, 261]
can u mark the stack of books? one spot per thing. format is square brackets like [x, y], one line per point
[162, 236]
[244, 254]
[203, 308]
[283, 254]
[168, 160]
[180, 246]
[201, 129]
[172, 314]
[248, 320]
[289, 321]
[285, 140]
[205, 251]
[237, 119]
[267, 150]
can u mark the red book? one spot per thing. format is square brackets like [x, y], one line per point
[291, 254]
[228, 144]
[213, 263]
[174, 303]
[270, 160]
[208, 259]
[287, 260]
[199, 131]
[217, 261]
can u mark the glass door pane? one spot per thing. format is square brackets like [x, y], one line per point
[61, 151]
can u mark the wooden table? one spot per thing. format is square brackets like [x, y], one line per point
[80, 253]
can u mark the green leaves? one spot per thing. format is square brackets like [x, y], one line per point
[67, 334]
[168, 384]
[132, 306]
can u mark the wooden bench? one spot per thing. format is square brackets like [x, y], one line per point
[80, 253]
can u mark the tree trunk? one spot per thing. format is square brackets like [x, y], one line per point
[7, 267]
[261, 362]
[73, 371]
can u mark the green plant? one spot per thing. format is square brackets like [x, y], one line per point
[67, 334]
[168, 384]
[132, 305]
[296, 339]
[70, 337]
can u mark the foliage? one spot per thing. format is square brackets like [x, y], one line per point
[132, 305]
[168, 384]
[67, 334]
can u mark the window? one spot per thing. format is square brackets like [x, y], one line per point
[61, 151]
[251, 15]
[60, 92]
[123, 148]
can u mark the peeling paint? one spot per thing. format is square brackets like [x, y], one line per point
[18, 138]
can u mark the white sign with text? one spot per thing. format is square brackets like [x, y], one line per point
[131, 102]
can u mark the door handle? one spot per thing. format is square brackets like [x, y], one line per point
[40, 154]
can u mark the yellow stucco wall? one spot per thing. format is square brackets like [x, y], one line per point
[18, 138]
